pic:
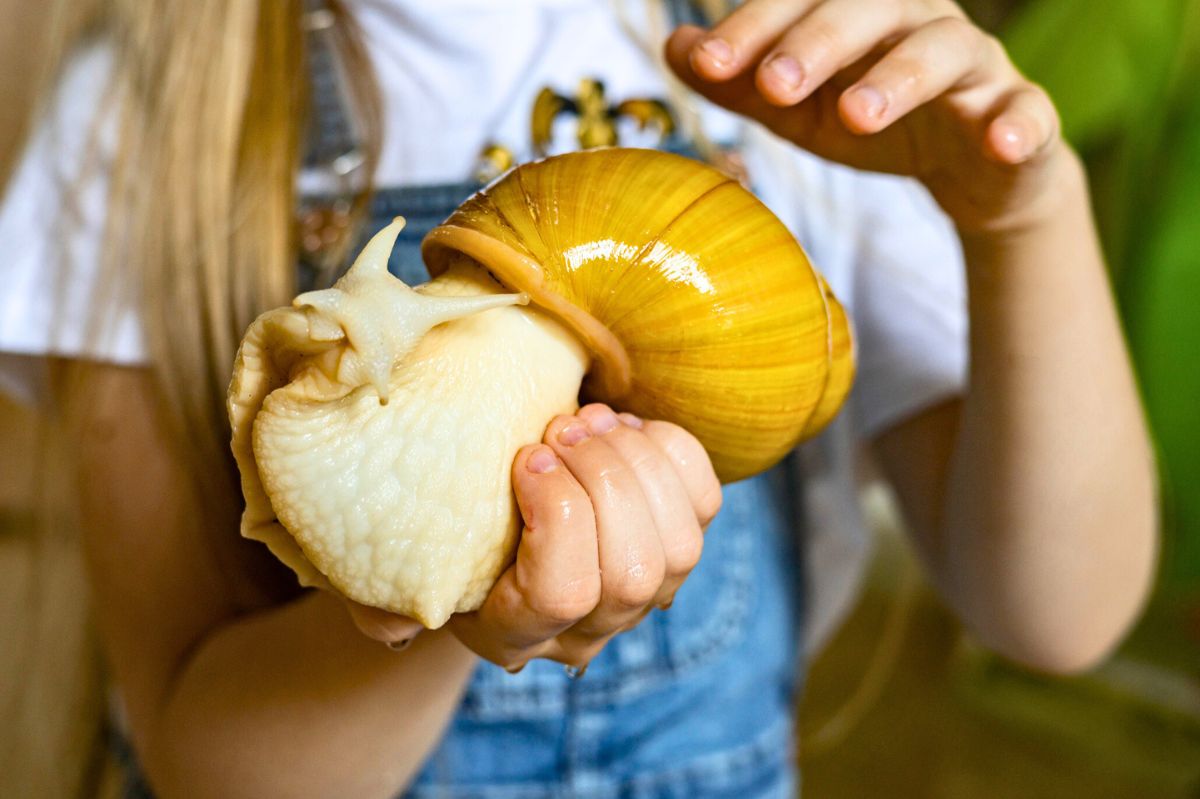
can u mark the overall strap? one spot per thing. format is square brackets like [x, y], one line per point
[332, 142]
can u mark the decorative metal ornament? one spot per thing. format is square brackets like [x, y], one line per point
[597, 126]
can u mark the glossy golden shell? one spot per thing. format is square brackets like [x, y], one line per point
[698, 303]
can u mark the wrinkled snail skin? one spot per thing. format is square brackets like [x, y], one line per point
[408, 505]
[375, 425]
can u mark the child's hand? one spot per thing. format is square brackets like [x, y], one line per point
[614, 512]
[939, 97]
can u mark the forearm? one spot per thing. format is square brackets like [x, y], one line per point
[1047, 539]
[295, 701]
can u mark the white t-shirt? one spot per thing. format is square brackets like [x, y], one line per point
[457, 74]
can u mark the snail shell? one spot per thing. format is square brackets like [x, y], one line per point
[697, 302]
[375, 426]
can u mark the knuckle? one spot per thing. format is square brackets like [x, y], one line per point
[557, 425]
[958, 29]
[579, 655]
[904, 69]
[570, 504]
[1041, 102]
[614, 469]
[676, 441]
[613, 479]
[891, 7]
[709, 503]
[939, 8]
[559, 507]
[567, 603]
[684, 552]
[560, 420]
[577, 647]
[744, 21]
[511, 662]
[643, 462]
[1044, 114]
[636, 587]
[993, 49]
[823, 38]
[587, 653]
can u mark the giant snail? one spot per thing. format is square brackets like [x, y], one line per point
[375, 425]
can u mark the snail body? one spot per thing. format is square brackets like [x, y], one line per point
[375, 426]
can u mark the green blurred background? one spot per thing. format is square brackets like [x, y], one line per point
[1124, 75]
[902, 704]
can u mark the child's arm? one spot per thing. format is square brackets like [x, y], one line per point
[291, 699]
[1032, 499]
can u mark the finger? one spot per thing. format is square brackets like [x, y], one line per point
[554, 581]
[947, 53]
[671, 508]
[388, 628]
[739, 40]
[829, 39]
[1026, 126]
[738, 94]
[693, 466]
[631, 556]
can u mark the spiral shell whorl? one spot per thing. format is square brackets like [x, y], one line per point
[698, 303]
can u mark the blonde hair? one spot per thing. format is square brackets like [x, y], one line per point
[211, 99]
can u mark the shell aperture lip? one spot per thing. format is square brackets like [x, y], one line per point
[382, 318]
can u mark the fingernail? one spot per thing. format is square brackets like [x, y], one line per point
[1015, 147]
[602, 420]
[575, 672]
[667, 605]
[718, 51]
[631, 420]
[786, 72]
[542, 461]
[401, 645]
[872, 102]
[517, 669]
[573, 433]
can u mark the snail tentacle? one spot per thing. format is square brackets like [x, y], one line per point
[382, 318]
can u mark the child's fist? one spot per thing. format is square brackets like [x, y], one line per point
[614, 512]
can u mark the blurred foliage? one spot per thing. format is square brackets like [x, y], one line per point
[1124, 75]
